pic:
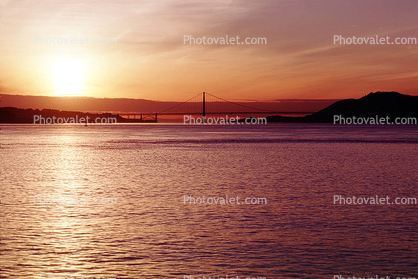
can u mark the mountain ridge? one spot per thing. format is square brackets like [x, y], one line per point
[382, 104]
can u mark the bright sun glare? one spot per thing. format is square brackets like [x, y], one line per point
[68, 77]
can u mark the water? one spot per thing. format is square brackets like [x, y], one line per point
[151, 232]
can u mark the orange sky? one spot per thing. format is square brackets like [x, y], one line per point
[141, 51]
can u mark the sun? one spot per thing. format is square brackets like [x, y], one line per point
[68, 76]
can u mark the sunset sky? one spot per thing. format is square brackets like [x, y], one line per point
[141, 51]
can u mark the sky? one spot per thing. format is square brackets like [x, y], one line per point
[137, 49]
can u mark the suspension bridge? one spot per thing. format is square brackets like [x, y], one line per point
[207, 104]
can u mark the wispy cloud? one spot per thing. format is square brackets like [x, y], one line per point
[150, 58]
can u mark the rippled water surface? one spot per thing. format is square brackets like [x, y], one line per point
[138, 225]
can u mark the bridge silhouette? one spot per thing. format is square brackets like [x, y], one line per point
[207, 104]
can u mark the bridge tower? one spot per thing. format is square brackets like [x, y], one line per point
[204, 112]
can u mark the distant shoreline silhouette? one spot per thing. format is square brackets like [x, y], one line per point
[13, 115]
[384, 104]
[391, 104]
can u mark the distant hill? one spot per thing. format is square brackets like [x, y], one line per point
[125, 105]
[16, 115]
[84, 104]
[383, 104]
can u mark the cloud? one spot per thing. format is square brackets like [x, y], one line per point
[150, 52]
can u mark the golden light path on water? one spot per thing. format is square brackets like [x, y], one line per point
[137, 224]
